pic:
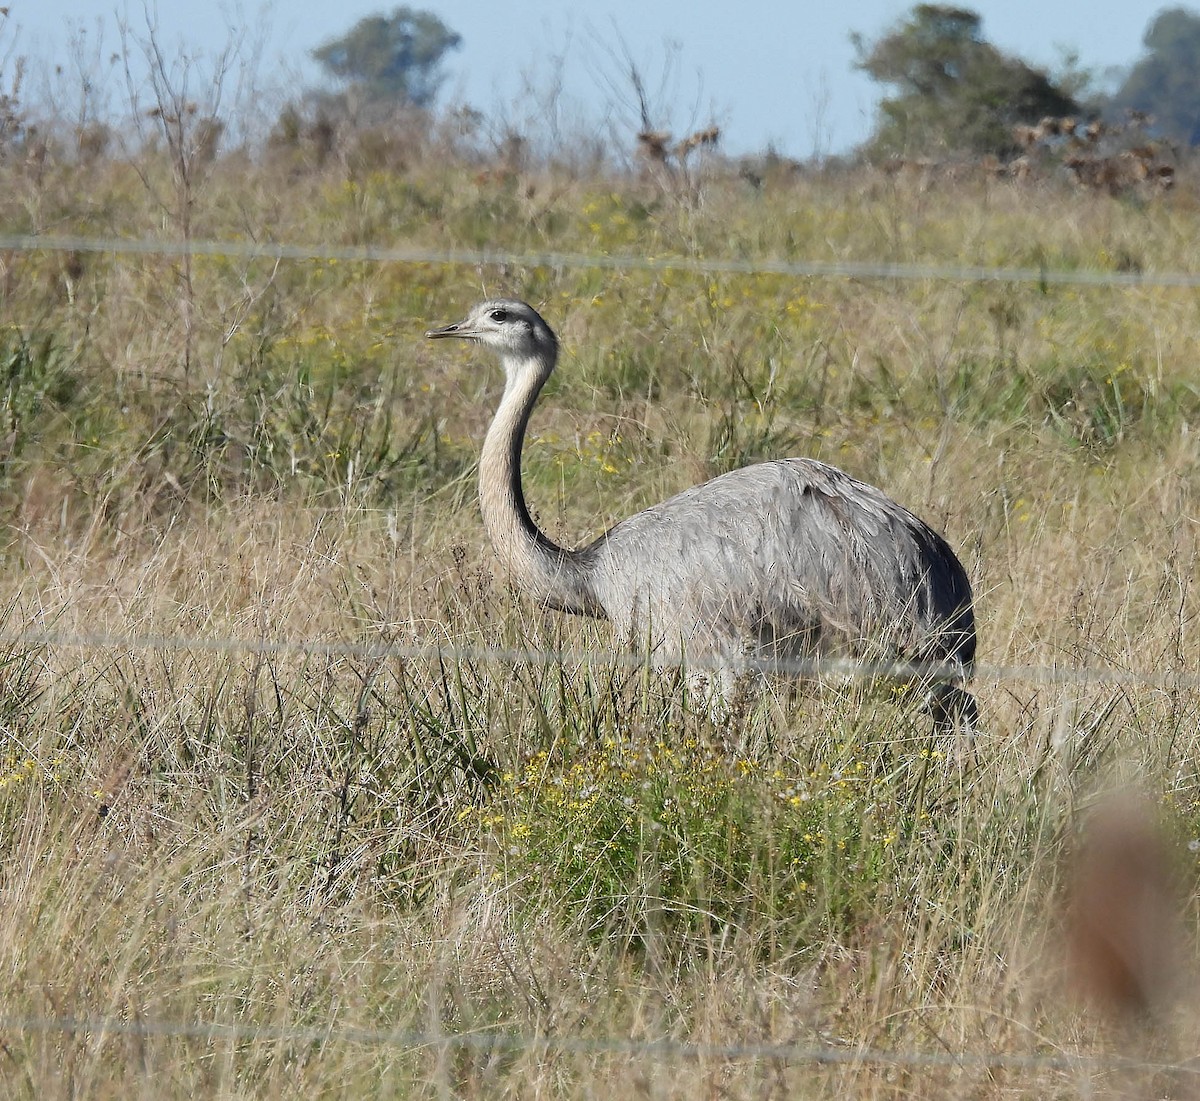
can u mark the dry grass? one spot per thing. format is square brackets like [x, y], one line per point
[270, 857]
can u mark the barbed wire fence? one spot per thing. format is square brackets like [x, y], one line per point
[866, 270]
[487, 1041]
[493, 1041]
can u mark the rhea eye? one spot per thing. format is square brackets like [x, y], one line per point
[499, 316]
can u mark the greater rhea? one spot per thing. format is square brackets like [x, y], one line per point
[763, 567]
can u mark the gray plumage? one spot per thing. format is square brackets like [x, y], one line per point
[774, 562]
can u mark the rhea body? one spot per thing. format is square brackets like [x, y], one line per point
[782, 560]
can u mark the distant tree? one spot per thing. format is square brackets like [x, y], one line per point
[956, 91]
[391, 58]
[1166, 82]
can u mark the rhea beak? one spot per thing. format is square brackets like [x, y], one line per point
[459, 329]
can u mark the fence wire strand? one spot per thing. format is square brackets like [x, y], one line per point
[487, 258]
[815, 667]
[490, 1040]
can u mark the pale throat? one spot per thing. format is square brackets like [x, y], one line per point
[534, 560]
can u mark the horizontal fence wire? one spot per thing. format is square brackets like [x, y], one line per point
[513, 656]
[486, 258]
[490, 1040]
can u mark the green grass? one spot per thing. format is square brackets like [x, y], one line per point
[224, 803]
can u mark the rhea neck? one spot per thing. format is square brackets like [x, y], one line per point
[550, 573]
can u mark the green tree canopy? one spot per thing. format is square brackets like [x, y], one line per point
[1166, 82]
[391, 58]
[956, 92]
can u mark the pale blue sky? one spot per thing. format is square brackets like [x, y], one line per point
[766, 72]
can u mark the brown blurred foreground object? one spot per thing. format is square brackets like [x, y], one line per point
[1122, 937]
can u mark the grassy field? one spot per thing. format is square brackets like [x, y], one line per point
[277, 861]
